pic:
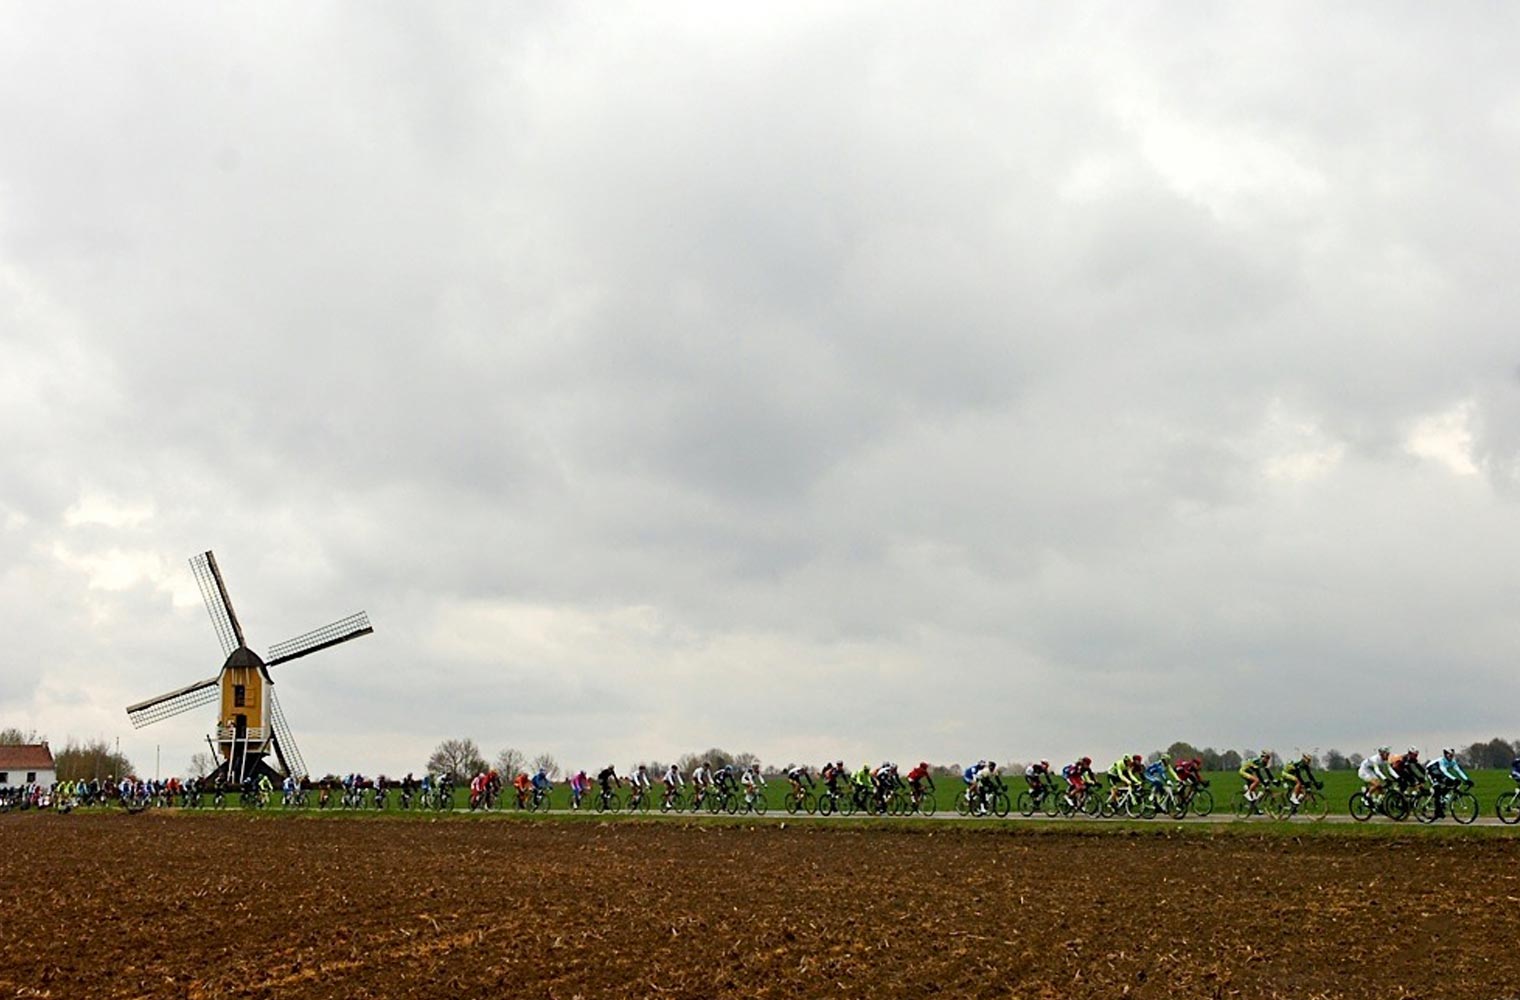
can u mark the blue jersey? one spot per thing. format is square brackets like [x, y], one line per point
[1155, 772]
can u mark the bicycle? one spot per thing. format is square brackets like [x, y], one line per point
[1268, 801]
[674, 799]
[1507, 806]
[1131, 802]
[1196, 798]
[1312, 803]
[1391, 803]
[1041, 799]
[831, 800]
[638, 799]
[991, 800]
[1452, 800]
[800, 801]
[540, 800]
[1087, 802]
[607, 800]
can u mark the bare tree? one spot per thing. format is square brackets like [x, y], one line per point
[11, 736]
[459, 759]
[86, 761]
[546, 763]
[510, 761]
[201, 764]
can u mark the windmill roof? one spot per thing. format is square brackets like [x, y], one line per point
[26, 757]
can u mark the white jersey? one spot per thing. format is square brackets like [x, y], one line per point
[701, 777]
[673, 776]
[1370, 769]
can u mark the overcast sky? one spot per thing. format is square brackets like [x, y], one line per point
[819, 380]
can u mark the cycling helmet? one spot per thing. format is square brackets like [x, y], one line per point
[1449, 752]
[1165, 758]
[923, 766]
[1135, 759]
[1086, 761]
[1384, 751]
[1414, 751]
[1045, 764]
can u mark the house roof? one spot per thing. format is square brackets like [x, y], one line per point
[26, 757]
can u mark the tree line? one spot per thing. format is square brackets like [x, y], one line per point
[462, 759]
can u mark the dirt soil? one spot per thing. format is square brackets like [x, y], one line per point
[164, 905]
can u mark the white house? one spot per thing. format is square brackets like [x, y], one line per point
[26, 764]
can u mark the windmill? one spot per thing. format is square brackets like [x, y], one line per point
[250, 725]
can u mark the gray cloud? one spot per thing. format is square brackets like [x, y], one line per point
[812, 381]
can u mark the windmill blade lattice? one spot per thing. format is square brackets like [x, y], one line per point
[214, 592]
[284, 743]
[327, 636]
[172, 703]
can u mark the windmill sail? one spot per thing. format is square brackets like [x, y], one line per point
[214, 592]
[174, 702]
[284, 743]
[325, 637]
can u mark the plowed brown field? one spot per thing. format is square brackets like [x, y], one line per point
[164, 905]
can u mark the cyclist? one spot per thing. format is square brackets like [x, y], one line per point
[861, 781]
[1121, 778]
[605, 777]
[1371, 773]
[1406, 767]
[1257, 774]
[1190, 772]
[542, 786]
[1037, 777]
[524, 786]
[674, 782]
[640, 783]
[917, 777]
[1159, 773]
[798, 775]
[884, 783]
[265, 788]
[1079, 776]
[1300, 775]
[987, 783]
[753, 784]
[578, 785]
[972, 776]
[832, 773]
[1446, 773]
[701, 783]
[723, 780]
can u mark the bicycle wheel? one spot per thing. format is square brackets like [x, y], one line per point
[1026, 804]
[759, 804]
[825, 804]
[1464, 807]
[809, 803]
[1050, 804]
[1360, 806]
[845, 804]
[1001, 806]
[927, 804]
[1315, 805]
[731, 803]
[1202, 802]
[792, 802]
[1395, 805]
[1425, 808]
[1507, 807]
[1242, 807]
[963, 804]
